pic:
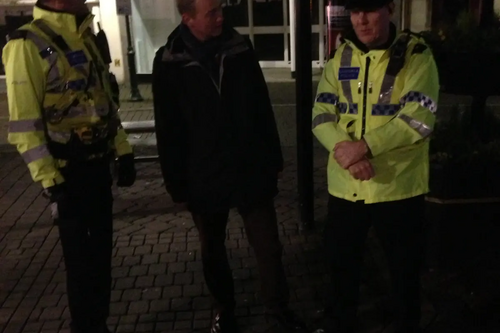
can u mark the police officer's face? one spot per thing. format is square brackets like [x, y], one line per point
[76, 7]
[372, 27]
[206, 19]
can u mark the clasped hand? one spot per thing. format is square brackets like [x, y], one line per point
[351, 155]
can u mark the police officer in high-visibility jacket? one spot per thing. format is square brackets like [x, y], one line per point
[374, 112]
[65, 125]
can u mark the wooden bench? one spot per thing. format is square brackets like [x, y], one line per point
[138, 127]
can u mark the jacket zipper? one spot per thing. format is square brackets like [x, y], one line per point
[218, 88]
[365, 95]
[221, 73]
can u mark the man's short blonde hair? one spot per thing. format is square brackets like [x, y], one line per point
[185, 6]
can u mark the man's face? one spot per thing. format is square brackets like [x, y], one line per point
[206, 20]
[372, 26]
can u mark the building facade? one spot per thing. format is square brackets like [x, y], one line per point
[267, 23]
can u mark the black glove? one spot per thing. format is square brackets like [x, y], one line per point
[126, 171]
[55, 193]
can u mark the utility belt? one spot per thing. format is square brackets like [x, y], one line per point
[85, 144]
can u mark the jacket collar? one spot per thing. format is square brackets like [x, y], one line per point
[63, 21]
[177, 50]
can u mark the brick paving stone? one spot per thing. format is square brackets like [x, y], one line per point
[164, 280]
[157, 272]
[172, 292]
[131, 295]
[125, 282]
[192, 290]
[160, 306]
[144, 281]
[150, 259]
[119, 308]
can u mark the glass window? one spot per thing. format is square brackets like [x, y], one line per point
[270, 47]
[236, 12]
[268, 12]
[152, 23]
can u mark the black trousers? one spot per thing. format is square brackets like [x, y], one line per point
[85, 229]
[262, 232]
[399, 226]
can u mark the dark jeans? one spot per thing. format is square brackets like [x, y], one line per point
[399, 226]
[262, 232]
[85, 229]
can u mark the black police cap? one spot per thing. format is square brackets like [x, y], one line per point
[366, 4]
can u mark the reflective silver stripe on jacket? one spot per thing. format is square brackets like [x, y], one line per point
[389, 80]
[35, 154]
[323, 119]
[60, 137]
[327, 98]
[345, 61]
[419, 126]
[53, 76]
[30, 125]
[424, 100]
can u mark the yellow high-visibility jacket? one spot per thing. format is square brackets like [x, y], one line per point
[358, 97]
[57, 84]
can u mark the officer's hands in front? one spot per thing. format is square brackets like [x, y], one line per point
[363, 170]
[347, 153]
[126, 171]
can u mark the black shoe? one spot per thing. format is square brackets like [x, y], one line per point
[224, 323]
[288, 320]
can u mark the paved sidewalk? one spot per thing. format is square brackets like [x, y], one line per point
[158, 284]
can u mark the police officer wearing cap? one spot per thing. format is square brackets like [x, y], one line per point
[374, 112]
[64, 122]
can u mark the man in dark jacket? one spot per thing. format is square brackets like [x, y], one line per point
[219, 149]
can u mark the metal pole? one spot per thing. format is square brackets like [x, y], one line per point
[304, 113]
[292, 38]
[321, 23]
[135, 94]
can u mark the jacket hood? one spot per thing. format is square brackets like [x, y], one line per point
[63, 20]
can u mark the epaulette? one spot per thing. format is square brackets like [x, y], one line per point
[17, 34]
[419, 48]
[411, 33]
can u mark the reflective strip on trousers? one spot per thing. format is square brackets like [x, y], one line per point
[346, 61]
[422, 99]
[323, 119]
[35, 154]
[21, 126]
[419, 126]
[53, 77]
